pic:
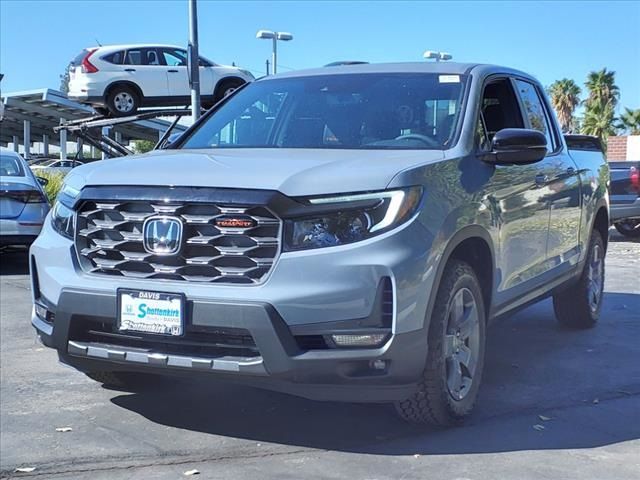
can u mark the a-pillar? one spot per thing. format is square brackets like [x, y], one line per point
[27, 139]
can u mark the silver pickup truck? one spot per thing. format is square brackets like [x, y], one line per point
[343, 233]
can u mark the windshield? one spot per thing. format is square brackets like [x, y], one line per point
[354, 111]
[10, 167]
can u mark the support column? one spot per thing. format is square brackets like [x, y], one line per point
[16, 143]
[27, 139]
[45, 145]
[105, 133]
[80, 148]
[63, 144]
[118, 137]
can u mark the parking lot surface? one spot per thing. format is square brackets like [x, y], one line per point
[555, 403]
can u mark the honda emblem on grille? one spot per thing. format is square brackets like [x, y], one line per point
[162, 235]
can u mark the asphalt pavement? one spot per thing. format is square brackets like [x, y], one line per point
[555, 403]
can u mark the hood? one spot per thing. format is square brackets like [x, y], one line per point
[294, 172]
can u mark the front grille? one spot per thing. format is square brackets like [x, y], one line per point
[109, 241]
[207, 342]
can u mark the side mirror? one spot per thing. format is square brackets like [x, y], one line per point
[517, 146]
[43, 181]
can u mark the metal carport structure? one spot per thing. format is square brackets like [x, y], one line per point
[31, 116]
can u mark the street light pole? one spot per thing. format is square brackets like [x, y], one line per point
[193, 60]
[274, 36]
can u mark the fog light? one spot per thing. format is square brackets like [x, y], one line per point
[41, 312]
[370, 340]
[378, 364]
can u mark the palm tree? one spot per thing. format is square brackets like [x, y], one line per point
[599, 121]
[565, 98]
[602, 88]
[630, 121]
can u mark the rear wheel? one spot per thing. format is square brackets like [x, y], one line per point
[629, 228]
[456, 345]
[579, 306]
[122, 101]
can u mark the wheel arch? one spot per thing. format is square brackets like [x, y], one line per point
[125, 83]
[601, 223]
[225, 81]
[472, 244]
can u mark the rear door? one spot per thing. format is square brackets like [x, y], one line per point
[143, 67]
[557, 182]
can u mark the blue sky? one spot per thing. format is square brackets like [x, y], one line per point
[548, 39]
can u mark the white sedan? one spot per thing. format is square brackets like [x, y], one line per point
[55, 166]
[118, 79]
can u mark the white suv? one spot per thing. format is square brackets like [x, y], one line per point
[120, 78]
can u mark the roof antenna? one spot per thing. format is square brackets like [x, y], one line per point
[98, 42]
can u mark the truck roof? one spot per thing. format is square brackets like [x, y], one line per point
[454, 68]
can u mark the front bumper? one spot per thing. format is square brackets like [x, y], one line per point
[309, 293]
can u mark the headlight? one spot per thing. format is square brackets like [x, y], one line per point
[63, 220]
[352, 218]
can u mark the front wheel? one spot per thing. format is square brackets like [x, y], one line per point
[225, 89]
[456, 344]
[579, 305]
[628, 228]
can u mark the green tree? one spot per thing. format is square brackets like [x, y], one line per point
[602, 88]
[599, 113]
[64, 80]
[599, 121]
[143, 146]
[565, 97]
[630, 121]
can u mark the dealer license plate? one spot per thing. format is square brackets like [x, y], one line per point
[151, 312]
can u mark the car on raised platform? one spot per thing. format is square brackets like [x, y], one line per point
[118, 79]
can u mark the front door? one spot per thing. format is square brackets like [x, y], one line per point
[175, 60]
[518, 205]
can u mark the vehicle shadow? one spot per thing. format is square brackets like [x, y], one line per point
[586, 381]
[14, 261]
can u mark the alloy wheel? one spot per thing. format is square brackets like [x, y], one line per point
[595, 276]
[462, 343]
[123, 102]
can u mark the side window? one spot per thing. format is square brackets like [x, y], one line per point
[535, 112]
[115, 58]
[174, 58]
[151, 57]
[133, 57]
[498, 109]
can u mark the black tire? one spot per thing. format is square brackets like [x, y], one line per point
[628, 228]
[579, 306]
[226, 87]
[122, 101]
[434, 403]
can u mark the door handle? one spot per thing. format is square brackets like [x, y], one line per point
[541, 179]
[129, 69]
[172, 71]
